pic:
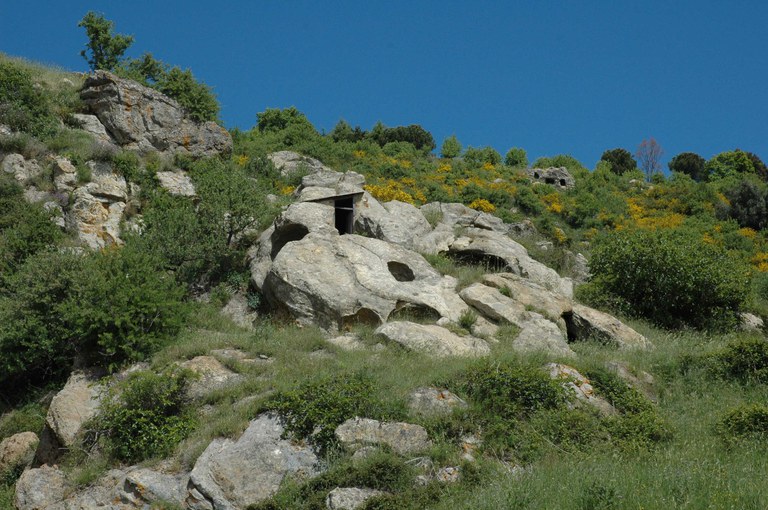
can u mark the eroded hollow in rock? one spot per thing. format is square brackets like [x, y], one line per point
[400, 271]
[415, 312]
[491, 263]
[364, 316]
[284, 235]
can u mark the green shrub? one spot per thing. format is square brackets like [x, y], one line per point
[691, 164]
[316, 408]
[671, 277]
[123, 307]
[516, 157]
[745, 422]
[23, 106]
[467, 319]
[451, 147]
[104, 49]
[144, 416]
[742, 360]
[620, 159]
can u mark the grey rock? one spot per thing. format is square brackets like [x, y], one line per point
[212, 375]
[5, 130]
[580, 268]
[18, 451]
[23, 170]
[751, 322]
[485, 329]
[524, 228]
[92, 125]
[347, 342]
[140, 118]
[579, 387]
[177, 183]
[403, 438]
[432, 340]
[37, 489]
[64, 174]
[106, 183]
[538, 333]
[585, 323]
[395, 222]
[459, 215]
[238, 310]
[500, 251]
[148, 486]
[558, 177]
[74, 405]
[349, 498]
[434, 402]
[531, 294]
[333, 281]
[230, 475]
[641, 381]
[289, 162]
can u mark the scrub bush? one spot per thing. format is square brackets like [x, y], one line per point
[671, 277]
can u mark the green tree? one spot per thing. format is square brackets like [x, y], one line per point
[516, 157]
[620, 159]
[479, 156]
[275, 119]
[104, 49]
[729, 163]
[195, 97]
[691, 164]
[748, 202]
[451, 147]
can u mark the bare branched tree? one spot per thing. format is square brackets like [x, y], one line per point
[649, 156]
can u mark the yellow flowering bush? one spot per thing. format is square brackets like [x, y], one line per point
[482, 205]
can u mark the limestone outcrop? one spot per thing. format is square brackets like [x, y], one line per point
[142, 119]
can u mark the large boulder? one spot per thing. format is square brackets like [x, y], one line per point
[538, 333]
[290, 163]
[434, 402]
[143, 119]
[17, 451]
[579, 388]
[558, 177]
[23, 170]
[349, 498]
[231, 475]
[531, 294]
[459, 215]
[177, 183]
[499, 251]
[432, 340]
[587, 323]
[333, 280]
[73, 406]
[95, 221]
[144, 486]
[402, 438]
[39, 488]
[394, 222]
[211, 375]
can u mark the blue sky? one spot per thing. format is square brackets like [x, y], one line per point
[575, 77]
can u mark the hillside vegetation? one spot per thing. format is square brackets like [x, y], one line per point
[680, 257]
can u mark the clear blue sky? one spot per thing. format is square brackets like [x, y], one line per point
[575, 77]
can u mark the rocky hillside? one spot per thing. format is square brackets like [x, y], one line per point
[277, 319]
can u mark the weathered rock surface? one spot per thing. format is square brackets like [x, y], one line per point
[538, 333]
[18, 451]
[106, 183]
[751, 322]
[23, 170]
[348, 342]
[95, 221]
[230, 475]
[558, 177]
[501, 252]
[38, 488]
[238, 310]
[334, 280]
[403, 438]
[144, 486]
[587, 322]
[349, 498]
[91, 124]
[74, 405]
[642, 381]
[432, 340]
[434, 402]
[140, 118]
[64, 174]
[579, 387]
[530, 294]
[459, 215]
[394, 222]
[289, 162]
[212, 375]
[177, 183]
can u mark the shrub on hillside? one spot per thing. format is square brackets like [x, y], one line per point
[691, 164]
[744, 422]
[671, 277]
[23, 106]
[621, 160]
[742, 360]
[516, 157]
[144, 416]
[451, 147]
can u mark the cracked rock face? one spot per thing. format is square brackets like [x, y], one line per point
[143, 119]
[334, 281]
[231, 475]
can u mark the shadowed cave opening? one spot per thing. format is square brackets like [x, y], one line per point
[285, 235]
[400, 271]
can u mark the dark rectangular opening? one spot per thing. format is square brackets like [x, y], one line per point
[344, 215]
